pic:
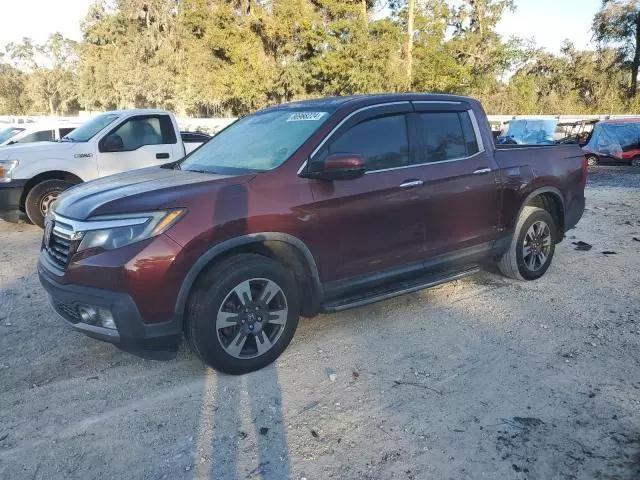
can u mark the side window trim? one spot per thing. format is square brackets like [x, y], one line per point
[341, 123]
[476, 130]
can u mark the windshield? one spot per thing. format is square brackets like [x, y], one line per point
[7, 133]
[86, 131]
[258, 142]
[531, 131]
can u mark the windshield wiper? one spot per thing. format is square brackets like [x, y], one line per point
[67, 139]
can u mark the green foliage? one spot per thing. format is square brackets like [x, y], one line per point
[229, 57]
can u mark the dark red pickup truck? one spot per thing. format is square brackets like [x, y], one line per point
[298, 209]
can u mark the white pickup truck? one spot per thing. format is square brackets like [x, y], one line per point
[32, 176]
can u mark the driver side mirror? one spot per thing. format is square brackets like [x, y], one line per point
[112, 143]
[338, 166]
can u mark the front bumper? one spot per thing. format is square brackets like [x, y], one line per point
[132, 334]
[10, 199]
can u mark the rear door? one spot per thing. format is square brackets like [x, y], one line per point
[460, 178]
[137, 142]
[368, 222]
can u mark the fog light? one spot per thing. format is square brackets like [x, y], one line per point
[96, 316]
[106, 319]
[88, 314]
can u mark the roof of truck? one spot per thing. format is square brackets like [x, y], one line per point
[613, 121]
[333, 103]
[138, 111]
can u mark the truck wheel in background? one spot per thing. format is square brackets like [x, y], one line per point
[242, 314]
[593, 160]
[532, 246]
[40, 198]
[636, 161]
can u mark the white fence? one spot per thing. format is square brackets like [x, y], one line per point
[214, 125]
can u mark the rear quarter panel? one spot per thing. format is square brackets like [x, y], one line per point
[526, 169]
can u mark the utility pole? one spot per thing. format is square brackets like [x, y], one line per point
[411, 6]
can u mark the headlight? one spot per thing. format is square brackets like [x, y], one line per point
[117, 231]
[6, 168]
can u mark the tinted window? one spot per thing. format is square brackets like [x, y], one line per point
[442, 136]
[41, 136]
[469, 134]
[382, 142]
[139, 131]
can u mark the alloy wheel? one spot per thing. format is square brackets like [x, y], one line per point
[252, 318]
[537, 246]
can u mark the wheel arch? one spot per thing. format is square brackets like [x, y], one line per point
[50, 175]
[282, 247]
[550, 199]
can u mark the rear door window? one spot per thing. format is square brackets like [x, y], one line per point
[446, 136]
[382, 142]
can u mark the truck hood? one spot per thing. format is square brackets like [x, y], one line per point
[17, 152]
[143, 190]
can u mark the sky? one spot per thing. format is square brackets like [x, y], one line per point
[548, 22]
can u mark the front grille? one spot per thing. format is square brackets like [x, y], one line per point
[60, 246]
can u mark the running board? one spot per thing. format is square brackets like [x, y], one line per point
[396, 289]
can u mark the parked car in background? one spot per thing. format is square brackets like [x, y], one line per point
[51, 131]
[303, 208]
[616, 140]
[32, 176]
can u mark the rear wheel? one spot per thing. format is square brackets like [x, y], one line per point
[41, 197]
[593, 160]
[636, 161]
[532, 246]
[243, 314]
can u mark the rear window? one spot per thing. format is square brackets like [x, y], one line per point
[41, 136]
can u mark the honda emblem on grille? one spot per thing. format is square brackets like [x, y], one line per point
[48, 229]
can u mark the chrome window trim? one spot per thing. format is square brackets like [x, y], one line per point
[470, 112]
[424, 164]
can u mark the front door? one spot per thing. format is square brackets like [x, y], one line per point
[138, 142]
[370, 222]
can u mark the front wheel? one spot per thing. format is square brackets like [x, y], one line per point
[592, 160]
[41, 197]
[532, 246]
[636, 161]
[243, 314]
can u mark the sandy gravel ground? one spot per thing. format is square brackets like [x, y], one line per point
[484, 378]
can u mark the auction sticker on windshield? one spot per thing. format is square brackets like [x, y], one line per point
[306, 116]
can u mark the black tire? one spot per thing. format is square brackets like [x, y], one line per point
[512, 264]
[593, 160]
[635, 162]
[215, 287]
[41, 194]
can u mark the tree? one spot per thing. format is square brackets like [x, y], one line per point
[618, 23]
[50, 82]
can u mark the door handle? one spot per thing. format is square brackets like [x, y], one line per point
[411, 183]
[162, 155]
[481, 171]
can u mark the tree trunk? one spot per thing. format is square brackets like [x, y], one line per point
[411, 6]
[52, 110]
[636, 61]
[365, 15]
